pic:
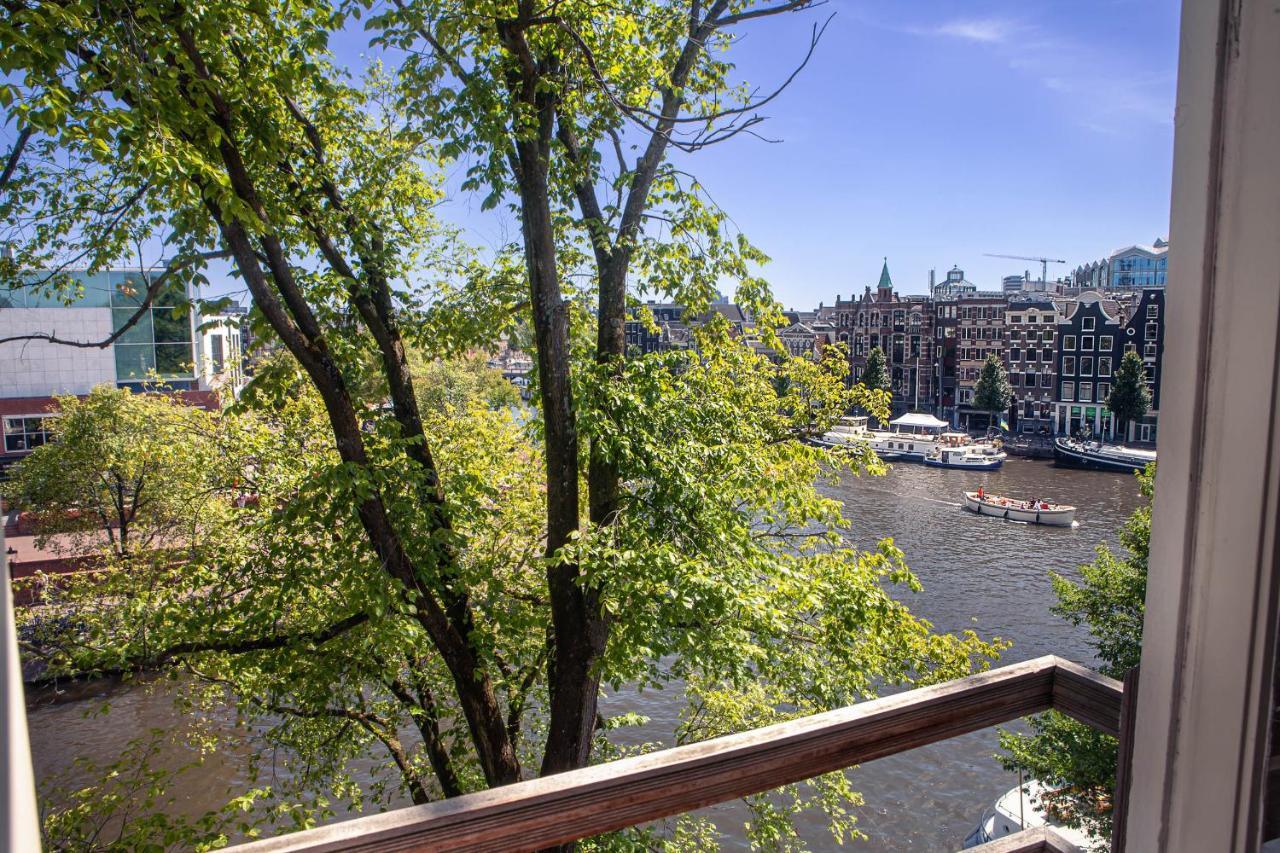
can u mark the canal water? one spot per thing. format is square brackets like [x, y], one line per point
[980, 573]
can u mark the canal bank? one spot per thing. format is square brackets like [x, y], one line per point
[979, 573]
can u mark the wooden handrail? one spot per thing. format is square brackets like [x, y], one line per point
[556, 809]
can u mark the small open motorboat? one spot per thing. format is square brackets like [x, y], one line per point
[957, 450]
[1031, 512]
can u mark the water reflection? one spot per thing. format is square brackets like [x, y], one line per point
[981, 573]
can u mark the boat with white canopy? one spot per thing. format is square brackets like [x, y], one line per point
[914, 435]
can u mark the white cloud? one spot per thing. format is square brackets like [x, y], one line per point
[985, 30]
[1103, 92]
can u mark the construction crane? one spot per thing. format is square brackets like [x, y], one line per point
[1044, 263]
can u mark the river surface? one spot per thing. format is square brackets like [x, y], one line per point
[979, 573]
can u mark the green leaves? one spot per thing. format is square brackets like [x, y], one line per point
[1109, 600]
[992, 392]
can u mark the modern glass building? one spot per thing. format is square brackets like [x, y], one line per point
[1139, 266]
[157, 349]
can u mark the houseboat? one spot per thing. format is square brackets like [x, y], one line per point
[1074, 453]
[1030, 512]
[914, 436]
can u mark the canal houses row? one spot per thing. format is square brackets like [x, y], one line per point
[1059, 346]
[1060, 349]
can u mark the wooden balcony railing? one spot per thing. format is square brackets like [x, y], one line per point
[556, 809]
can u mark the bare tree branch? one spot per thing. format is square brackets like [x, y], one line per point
[749, 14]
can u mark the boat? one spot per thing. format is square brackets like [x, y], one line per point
[846, 431]
[914, 436]
[1030, 512]
[1020, 809]
[1074, 453]
[956, 450]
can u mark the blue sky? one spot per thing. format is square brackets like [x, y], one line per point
[935, 132]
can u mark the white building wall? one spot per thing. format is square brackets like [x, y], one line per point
[42, 369]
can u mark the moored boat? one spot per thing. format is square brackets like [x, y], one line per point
[1074, 453]
[1019, 809]
[957, 450]
[848, 430]
[1029, 512]
[914, 436]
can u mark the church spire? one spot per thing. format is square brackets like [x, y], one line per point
[886, 283]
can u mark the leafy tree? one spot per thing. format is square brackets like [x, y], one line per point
[130, 469]
[874, 374]
[1078, 762]
[1130, 399]
[452, 587]
[992, 392]
[458, 382]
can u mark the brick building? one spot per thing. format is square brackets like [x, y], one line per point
[903, 328]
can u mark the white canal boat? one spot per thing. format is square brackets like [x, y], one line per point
[957, 450]
[1022, 808]
[914, 436]
[849, 430]
[1030, 512]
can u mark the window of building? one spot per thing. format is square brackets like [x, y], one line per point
[1088, 323]
[1104, 365]
[1086, 365]
[1153, 331]
[1015, 379]
[1015, 318]
[1086, 392]
[1068, 391]
[1031, 355]
[1104, 391]
[1149, 351]
[1106, 343]
[1153, 311]
[1086, 342]
[1068, 342]
[1015, 355]
[216, 354]
[25, 432]
[1046, 380]
[1068, 365]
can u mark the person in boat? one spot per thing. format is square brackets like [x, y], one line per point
[981, 494]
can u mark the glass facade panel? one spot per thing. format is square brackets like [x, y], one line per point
[171, 327]
[127, 289]
[134, 361]
[139, 333]
[173, 360]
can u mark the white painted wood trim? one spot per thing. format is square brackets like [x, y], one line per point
[1203, 700]
[19, 825]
